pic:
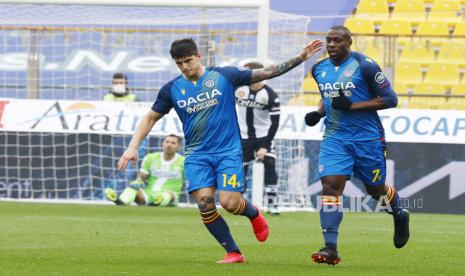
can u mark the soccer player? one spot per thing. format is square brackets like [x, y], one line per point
[203, 98]
[159, 180]
[352, 88]
[258, 109]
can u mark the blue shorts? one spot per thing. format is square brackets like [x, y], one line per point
[226, 173]
[365, 160]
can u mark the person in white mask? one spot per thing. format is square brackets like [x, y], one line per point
[119, 91]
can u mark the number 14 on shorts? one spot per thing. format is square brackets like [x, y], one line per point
[232, 181]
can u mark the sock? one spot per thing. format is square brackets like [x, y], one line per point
[393, 200]
[272, 195]
[127, 196]
[246, 209]
[330, 218]
[219, 229]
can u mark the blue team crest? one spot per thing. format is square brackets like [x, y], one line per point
[323, 74]
[183, 91]
[348, 73]
[210, 83]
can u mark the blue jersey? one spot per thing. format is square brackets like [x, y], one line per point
[361, 79]
[206, 109]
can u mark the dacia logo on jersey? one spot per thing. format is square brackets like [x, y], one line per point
[336, 86]
[201, 101]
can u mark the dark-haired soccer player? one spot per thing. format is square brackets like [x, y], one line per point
[352, 88]
[204, 100]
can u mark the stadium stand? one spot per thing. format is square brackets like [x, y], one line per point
[412, 11]
[445, 11]
[377, 10]
[429, 48]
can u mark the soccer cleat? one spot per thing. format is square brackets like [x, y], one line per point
[232, 258]
[401, 228]
[260, 227]
[273, 210]
[326, 255]
[110, 194]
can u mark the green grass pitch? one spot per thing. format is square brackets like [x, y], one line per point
[65, 239]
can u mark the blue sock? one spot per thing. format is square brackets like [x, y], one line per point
[330, 218]
[219, 229]
[246, 209]
[393, 200]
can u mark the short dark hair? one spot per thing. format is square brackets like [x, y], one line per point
[344, 29]
[120, 75]
[185, 47]
[175, 136]
[254, 65]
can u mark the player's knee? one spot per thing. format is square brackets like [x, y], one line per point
[206, 203]
[376, 191]
[140, 198]
[230, 204]
[333, 186]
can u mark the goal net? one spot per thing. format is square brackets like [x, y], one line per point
[70, 52]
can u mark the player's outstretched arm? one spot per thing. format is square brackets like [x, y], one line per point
[275, 70]
[130, 154]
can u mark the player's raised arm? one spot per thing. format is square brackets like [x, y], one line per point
[130, 154]
[278, 69]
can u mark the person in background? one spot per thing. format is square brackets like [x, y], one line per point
[120, 91]
[160, 178]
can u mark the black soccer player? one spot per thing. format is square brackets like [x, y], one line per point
[353, 88]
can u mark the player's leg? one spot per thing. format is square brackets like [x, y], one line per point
[370, 167]
[335, 165]
[163, 199]
[230, 179]
[247, 154]
[128, 195]
[201, 183]
[216, 225]
[271, 183]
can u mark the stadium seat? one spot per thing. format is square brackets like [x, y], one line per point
[360, 25]
[452, 52]
[445, 74]
[434, 28]
[375, 52]
[445, 11]
[307, 99]
[360, 42]
[427, 102]
[408, 72]
[460, 28]
[458, 90]
[402, 101]
[395, 27]
[418, 53]
[457, 103]
[428, 28]
[429, 89]
[376, 10]
[400, 87]
[409, 10]
[309, 84]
